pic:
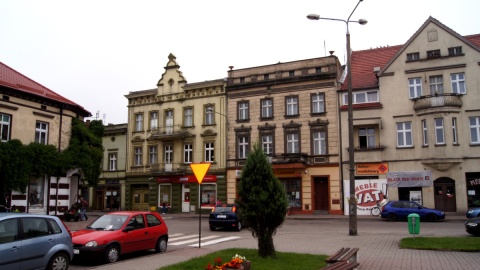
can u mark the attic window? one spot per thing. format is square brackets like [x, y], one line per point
[433, 54]
[7, 98]
[413, 56]
[170, 82]
[43, 107]
[455, 51]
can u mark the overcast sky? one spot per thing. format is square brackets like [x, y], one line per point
[94, 52]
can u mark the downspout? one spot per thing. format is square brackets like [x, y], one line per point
[59, 144]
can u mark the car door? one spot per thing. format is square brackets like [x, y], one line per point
[36, 243]
[138, 238]
[10, 245]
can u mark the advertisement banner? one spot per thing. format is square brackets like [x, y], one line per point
[371, 168]
[410, 179]
[367, 192]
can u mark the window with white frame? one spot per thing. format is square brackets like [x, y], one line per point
[188, 117]
[112, 161]
[267, 144]
[318, 102]
[243, 112]
[424, 132]
[209, 115]
[139, 122]
[439, 131]
[436, 85]
[291, 104]
[362, 97]
[415, 87]
[366, 137]
[474, 129]
[454, 130]
[168, 157]
[413, 56]
[188, 153]
[293, 142]
[458, 83]
[137, 156]
[41, 132]
[243, 146]
[152, 154]
[319, 142]
[209, 152]
[404, 134]
[5, 122]
[267, 108]
[455, 51]
[153, 120]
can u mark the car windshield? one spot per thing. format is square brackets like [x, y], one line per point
[222, 209]
[108, 222]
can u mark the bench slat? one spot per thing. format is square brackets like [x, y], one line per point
[350, 256]
[336, 255]
[342, 266]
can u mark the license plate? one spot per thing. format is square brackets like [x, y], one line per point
[76, 251]
[221, 216]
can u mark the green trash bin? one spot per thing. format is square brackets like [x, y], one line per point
[413, 224]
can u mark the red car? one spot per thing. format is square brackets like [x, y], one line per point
[117, 233]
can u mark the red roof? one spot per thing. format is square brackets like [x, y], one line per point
[15, 80]
[475, 39]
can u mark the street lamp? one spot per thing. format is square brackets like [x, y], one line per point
[351, 163]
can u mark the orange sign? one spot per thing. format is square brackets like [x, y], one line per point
[200, 170]
[372, 168]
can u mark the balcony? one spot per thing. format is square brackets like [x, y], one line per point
[437, 103]
[169, 133]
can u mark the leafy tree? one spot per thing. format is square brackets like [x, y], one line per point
[14, 166]
[262, 201]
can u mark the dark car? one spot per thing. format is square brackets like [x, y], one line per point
[474, 212]
[117, 233]
[394, 210]
[225, 217]
[472, 226]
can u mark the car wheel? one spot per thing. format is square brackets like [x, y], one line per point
[239, 226]
[212, 228]
[161, 245]
[431, 217]
[111, 254]
[59, 261]
[391, 217]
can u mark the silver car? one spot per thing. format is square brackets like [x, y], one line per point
[30, 241]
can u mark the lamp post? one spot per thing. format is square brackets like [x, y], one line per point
[351, 162]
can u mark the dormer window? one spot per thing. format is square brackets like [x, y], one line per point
[455, 51]
[433, 54]
[413, 56]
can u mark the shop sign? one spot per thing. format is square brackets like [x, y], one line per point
[185, 179]
[367, 194]
[410, 179]
[371, 168]
[112, 181]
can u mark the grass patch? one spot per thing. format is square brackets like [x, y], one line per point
[284, 260]
[442, 243]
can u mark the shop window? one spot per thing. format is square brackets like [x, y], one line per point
[209, 194]
[292, 188]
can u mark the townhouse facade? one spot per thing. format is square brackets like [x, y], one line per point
[417, 120]
[169, 128]
[30, 112]
[291, 110]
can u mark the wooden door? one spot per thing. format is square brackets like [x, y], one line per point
[321, 194]
[445, 195]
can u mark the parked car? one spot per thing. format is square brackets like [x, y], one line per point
[225, 217]
[29, 241]
[394, 210]
[474, 212]
[472, 226]
[117, 233]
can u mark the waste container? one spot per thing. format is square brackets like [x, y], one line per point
[413, 224]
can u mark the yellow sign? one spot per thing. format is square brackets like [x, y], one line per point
[372, 168]
[200, 170]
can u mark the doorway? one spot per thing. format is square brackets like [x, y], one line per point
[186, 198]
[445, 197]
[140, 198]
[321, 193]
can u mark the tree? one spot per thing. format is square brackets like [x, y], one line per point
[262, 201]
[15, 166]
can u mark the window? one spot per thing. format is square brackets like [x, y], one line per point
[5, 127]
[209, 115]
[415, 87]
[41, 132]
[242, 79]
[436, 85]
[475, 130]
[458, 83]
[243, 113]
[34, 227]
[366, 137]
[319, 143]
[209, 152]
[112, 161]
[318, 103]
[266, 77]
[187, 153]
[424, 132]
[267, 108]
[209, 195]
[267, 144]
[362, 97]
[404, 134]
[153, 120]
[291, 73]
[169, 121]
[291, 105]
[455, 51]
[8, 230]
[168, 154]
[439, 131]
[293, 145]
[454, 130]
[138, 156]
[433, 54]
[293, 190]
[138, 122]
[152, 155]
[188, 117]
[413, 56]
[243, 146]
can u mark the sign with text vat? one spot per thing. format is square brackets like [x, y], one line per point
[200, 170]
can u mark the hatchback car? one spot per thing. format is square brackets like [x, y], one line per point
[472, 226]
[117, 233]
[29, 241]
[394, 210]
[225, 217]
[474, 212]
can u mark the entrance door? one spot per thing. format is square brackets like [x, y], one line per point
[140, 199]
[321, 193]
[445, 199]
[99, 199]
[185, 198]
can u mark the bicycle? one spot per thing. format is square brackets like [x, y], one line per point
[377, 210]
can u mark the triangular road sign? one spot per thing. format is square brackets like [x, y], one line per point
[200, 170]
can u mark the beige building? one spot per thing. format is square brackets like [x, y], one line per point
[291, 110]
[417, 119]
[30, 112]
[169, 128]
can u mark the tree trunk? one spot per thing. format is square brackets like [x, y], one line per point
[265, 245]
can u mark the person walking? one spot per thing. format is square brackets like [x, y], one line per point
[83, 209]
[5, 204]
[164, 207]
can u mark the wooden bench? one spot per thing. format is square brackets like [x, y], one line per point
[342, 266]
[344, 258]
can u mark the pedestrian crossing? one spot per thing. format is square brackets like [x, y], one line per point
[191, 240]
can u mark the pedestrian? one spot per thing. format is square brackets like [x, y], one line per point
[219, 202]
[164, 207]
[5, 204]
[83, 209]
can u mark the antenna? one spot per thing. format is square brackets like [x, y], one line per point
[325, 47]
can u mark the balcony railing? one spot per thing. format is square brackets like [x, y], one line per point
[170, 133]
[437, 102]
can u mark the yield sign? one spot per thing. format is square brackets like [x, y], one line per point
[200, 170]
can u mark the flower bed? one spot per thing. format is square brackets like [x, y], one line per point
[237, 262]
